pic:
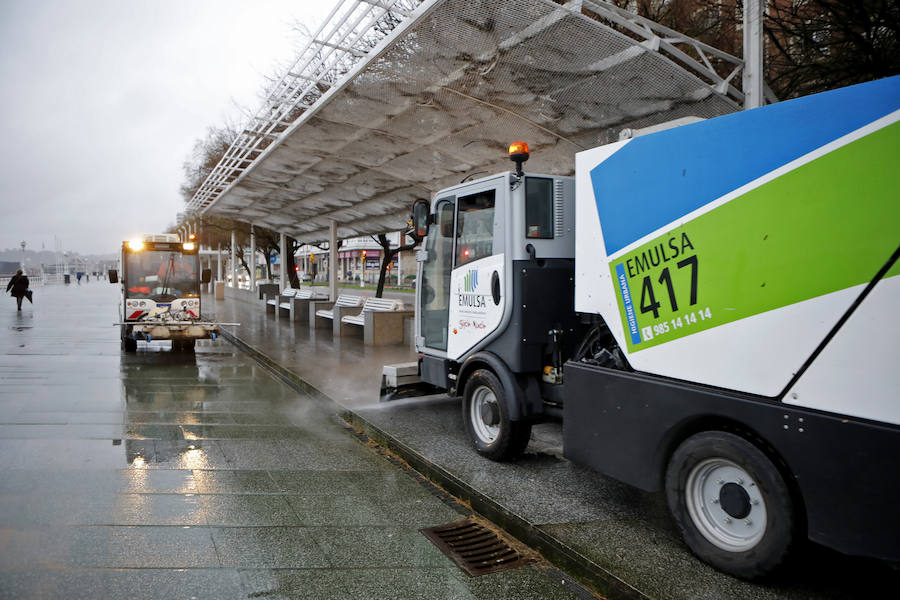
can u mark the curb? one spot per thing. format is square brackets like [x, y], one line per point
[554, 550]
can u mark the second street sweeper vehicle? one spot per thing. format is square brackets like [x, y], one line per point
[160, 278]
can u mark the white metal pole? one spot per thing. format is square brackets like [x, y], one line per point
[233, 260]
[332, 260]
[252, 260]
[753, 54]
[219, 262]
[399, 266]
[282, 240]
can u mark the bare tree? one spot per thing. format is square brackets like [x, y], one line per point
[819, 45]
[388, 253]
[811, 45]
[206, 154]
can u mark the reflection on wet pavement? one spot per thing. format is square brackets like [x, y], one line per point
[163, 475]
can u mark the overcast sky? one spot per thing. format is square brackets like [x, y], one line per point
[103, 100]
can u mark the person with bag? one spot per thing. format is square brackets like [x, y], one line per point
[19, 286]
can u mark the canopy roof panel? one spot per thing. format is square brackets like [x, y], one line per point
[439, 99]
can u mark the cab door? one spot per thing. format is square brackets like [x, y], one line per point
[462, 271]
[433, 286]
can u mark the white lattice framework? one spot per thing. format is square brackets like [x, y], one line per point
[351, 30]
[399, 61]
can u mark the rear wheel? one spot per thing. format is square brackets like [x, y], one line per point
[128, 343]
[486, 414]
[731, 504]
[183, 345]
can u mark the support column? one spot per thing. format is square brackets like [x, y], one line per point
[233, 260]
[332, 260]
[753, 54]
[252, 260]
[219, 262]
[284, 263]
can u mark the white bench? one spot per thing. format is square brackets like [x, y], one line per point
[320, 313]
[292, 301]
[381, 320]
[276, 301]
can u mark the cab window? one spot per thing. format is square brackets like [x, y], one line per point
[538, 207]
[475, 227]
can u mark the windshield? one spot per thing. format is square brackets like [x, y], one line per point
[161, 276]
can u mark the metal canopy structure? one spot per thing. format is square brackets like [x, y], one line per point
[394, 99]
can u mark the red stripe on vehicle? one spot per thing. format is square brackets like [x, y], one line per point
[136, 314]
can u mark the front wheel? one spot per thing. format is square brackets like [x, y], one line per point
[731, 504]
[486, 414]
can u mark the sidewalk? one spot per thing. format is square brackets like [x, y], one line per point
[175, 475]
[617, 538]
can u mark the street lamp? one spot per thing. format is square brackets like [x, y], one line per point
[23, 256]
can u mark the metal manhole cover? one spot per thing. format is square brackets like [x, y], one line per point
[474, 548]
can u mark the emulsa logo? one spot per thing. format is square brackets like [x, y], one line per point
[468, 292]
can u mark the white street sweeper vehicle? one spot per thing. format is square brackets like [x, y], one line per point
[713, 310]
[160, 280]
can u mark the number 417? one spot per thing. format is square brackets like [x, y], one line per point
[649, 303]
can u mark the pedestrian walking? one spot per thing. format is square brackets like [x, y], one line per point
[19, 286]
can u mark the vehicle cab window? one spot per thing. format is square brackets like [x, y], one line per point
[538, 207]
[475, 227]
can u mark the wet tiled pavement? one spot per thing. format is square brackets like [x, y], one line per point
[619, 537]
[173, 475]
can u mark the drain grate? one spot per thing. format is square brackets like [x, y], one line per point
[474, 548]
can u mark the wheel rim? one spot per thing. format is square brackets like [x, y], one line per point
[481, 397]
[726, 505]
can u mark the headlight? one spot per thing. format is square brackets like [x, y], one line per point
[136, 245]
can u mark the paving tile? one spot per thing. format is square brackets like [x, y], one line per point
[224, 481]
[143, 584]
[315, 483]
[158, 481]
[256, 454]
[336, 511]
[378, 547]
[248, 510]
[290, 584]
[150, 509]
[189, 454]
[409, 584]
[269, 547]
[136, 547]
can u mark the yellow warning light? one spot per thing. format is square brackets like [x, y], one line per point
[517, 149]
[188, 245]
[135, 245]
[518, 153]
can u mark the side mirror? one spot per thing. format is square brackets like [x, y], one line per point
[113, 276]
[420, 217]
[205, 275]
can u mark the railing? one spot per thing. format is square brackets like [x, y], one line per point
[691, 54]
[349, 33]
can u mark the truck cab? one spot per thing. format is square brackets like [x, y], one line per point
[160, 280]
[497, 279]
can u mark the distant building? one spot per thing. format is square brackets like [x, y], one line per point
[9, 268]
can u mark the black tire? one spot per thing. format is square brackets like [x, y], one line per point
[183, 345]
[731, 504]
[486, 415]
[128, 343]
